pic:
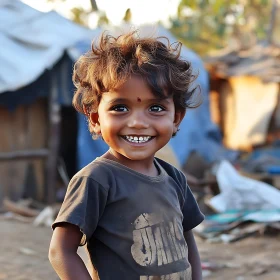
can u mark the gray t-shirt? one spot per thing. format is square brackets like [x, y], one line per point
[133, 224]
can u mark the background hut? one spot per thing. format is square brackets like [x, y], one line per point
[35, 92]
[245, 94]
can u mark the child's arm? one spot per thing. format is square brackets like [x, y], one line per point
[193, 256]
[63, 253]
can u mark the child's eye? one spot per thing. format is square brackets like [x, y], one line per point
[119, 108]
[156, 108]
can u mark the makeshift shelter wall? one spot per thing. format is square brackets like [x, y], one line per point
[33, 65]
[247, 105]
[23, 129]
[29, 132]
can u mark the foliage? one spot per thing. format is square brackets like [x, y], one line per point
[80, 15]
[204, 25]
[127, 17]
[103, 20]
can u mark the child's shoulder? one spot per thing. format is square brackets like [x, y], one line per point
[172, 171]
[97, 170]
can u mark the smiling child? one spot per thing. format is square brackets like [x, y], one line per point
[134, 212]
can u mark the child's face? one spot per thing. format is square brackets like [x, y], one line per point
[134, 122]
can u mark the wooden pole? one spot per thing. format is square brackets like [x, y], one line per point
[54, 140]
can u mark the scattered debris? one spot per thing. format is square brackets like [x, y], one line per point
[45, 218]
[16, 217]
[29, 211]
[238, 234]
[243, 207]
[241, 193]
[19, 208]
[206, 273]
[27, 251]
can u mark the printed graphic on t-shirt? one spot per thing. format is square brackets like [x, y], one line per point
[157, 243]
[183, 275]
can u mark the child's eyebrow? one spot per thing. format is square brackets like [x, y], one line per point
[117, 100]
[161, 99]
[124, 100]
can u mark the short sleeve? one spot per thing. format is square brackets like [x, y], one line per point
[191, 212]
[83, 205]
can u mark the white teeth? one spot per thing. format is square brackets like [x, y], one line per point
[135, 139]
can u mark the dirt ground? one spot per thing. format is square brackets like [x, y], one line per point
[24, 250]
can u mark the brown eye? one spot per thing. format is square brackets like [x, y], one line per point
[156, 108]
[119, 108]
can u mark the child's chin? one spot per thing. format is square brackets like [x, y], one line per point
[139, 156]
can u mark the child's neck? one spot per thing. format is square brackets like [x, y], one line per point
[145, 167]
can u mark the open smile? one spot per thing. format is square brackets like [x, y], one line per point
[137, 139]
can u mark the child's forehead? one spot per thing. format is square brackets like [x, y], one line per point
[136, 91]
[135, 86]
[133, 82]
[117, 98]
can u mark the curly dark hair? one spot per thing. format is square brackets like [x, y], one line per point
[113, 60]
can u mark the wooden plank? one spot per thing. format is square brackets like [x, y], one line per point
[38, 133]
[214, 98]
[12, 137]
[17, 169]
[19, 209]
[23, 143]
[227, 108]
[23, 155]
[5, 143]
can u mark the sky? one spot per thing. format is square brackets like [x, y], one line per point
[143, 11]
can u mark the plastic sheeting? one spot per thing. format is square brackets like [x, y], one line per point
[242, 193]
[58, 78]
[31, 42]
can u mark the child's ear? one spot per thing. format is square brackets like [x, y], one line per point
[94, 120]
[178, 117]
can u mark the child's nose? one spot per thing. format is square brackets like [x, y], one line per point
[138, 120]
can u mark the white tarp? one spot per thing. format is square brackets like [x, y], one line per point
[32, 41]
[242, 193]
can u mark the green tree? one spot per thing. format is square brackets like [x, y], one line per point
[80, 15]
[127, 16]
[103, 19]
[205, 25]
